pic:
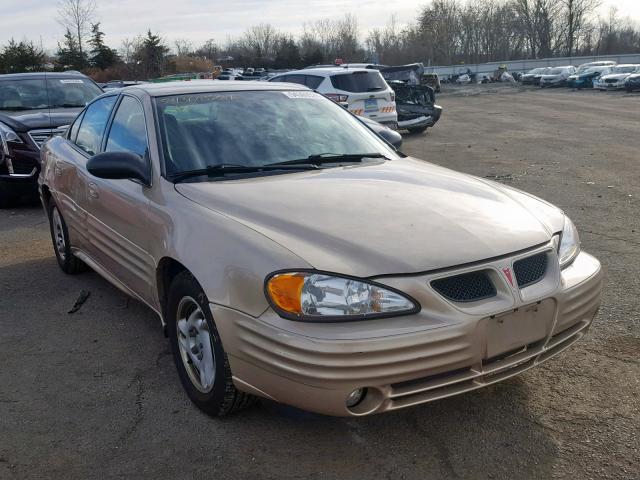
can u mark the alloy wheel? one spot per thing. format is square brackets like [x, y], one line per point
[194, 342]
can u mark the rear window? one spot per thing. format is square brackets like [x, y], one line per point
[359, 82]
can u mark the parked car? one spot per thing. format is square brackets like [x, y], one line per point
[632, 82]
[225, 76]
[532, 77]
[586, 77]
[556, 76]
[343, 277]
[33, 107]
[615, 77]
[416, 106]
[365, 90]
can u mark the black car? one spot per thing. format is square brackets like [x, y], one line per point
[416, 106]
[33, 107]
[632, 82]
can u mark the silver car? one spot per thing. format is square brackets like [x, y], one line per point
[296, 256]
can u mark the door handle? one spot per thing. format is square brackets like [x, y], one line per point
[92, 190]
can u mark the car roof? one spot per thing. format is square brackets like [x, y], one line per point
[38, 75]
[205, 86]
[327, 72]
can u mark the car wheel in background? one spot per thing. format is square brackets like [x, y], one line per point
[202, 363]
[60, 237]
[417, 129]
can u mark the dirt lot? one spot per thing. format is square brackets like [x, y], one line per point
[95, 394]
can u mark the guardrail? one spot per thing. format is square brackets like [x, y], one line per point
[526, 65]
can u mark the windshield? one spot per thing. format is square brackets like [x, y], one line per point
[626, 69]
[35, 94]
[554, 71]
[359, 82]
[252, 129]
[537, 71]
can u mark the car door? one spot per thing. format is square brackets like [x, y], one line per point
[118, 209]
[70, 172]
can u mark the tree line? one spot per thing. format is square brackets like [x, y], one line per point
[444, 32]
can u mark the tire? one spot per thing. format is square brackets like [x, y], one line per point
[69, 263]
[190, 326]
[417, 129]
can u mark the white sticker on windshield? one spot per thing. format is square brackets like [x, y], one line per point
[301, 94]
[71, 81]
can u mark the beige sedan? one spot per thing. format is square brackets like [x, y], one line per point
[292, 254]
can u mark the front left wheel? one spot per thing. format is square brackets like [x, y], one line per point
[202, 363]
[67, 261]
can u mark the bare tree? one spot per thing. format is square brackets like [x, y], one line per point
[576, 13]
[77, 16]
[183, 47]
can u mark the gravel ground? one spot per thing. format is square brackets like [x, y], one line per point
[95, 394]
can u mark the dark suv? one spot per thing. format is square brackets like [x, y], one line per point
[33, 107]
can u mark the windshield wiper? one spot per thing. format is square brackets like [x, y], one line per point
[222, 169]
[331, 158]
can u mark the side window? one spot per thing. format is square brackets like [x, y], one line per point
[314, 82]
[93, 123]
[281, 78]
[73, 131]
[128, 132]
[296, 79]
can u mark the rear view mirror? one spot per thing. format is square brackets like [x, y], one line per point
[118, 166]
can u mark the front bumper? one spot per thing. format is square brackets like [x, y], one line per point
[441, 351]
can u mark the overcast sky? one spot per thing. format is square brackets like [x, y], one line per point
[198, 20]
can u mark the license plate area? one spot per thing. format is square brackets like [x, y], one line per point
[371, 105]
[513, 330]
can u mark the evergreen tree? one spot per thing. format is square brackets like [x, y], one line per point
[69, 55]
[151, 55]
[101, 55]
[17, 57]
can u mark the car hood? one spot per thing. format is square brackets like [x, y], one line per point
[398, 216]
[551, 77]
[23, 121]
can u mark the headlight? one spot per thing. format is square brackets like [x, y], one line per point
[320, 297]
[7, 135]
[569, 243]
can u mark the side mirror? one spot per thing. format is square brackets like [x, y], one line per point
[118, 166]
[391, 136]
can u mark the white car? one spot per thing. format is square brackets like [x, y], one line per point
[557, 76]
[365, 90]
[614, 79]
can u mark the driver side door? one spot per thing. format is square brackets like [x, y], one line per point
[118, 209]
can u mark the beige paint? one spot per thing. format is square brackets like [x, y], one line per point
[395, 221]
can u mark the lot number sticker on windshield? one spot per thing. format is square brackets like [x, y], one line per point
[301, 94]
[71, 81]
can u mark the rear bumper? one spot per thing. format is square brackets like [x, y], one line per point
[316, 372]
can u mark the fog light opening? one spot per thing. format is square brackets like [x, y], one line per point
[356, 397]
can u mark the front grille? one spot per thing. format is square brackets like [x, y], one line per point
[40, 136]
[531, 269]
[467, 287]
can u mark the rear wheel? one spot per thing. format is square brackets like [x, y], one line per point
[202, 363]
[60, 237]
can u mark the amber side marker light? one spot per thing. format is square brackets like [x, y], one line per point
[285, 290]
